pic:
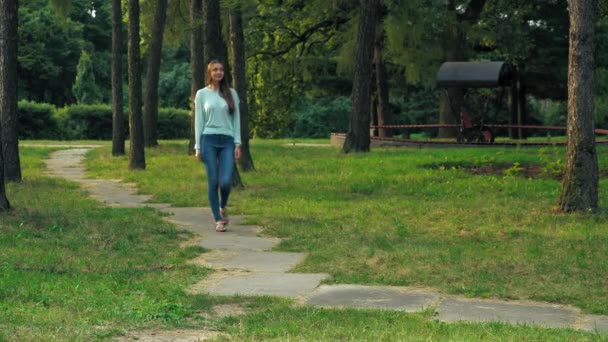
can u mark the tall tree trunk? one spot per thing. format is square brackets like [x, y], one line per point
[197, 62]
[514, 103]
[137, 160]
[237, 42]
[357, 138]
[580, 182]
[151, 99]
[383, 109]
[451, 101]
[8, 90]
[215, 46]
[118, 129]
[522, 109]
[4, 204]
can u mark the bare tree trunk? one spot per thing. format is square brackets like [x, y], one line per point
[118, 129]
[239, 82]
[522, 109]
[514, 104]
[4, 203]
[450, 101]
[215, 46]
[137, 160]
[357, 138]
[196, 61]
[8, 90]
[580, 182]
[383, 109]
[151, 99]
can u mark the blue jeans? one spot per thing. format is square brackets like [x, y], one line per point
[217, 153]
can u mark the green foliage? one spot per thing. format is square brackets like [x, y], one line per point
[317, 118]
[48, 52]
[173, 123]
[62, 253]
[86, 121]
[174, 85]
[551, 113]
[80, 121]
[514, 170]
[414, 31]
[85, 89]
[36, 120]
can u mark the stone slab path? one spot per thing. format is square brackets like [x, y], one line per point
[245, 265]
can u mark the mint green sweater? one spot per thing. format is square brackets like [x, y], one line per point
[211, 115]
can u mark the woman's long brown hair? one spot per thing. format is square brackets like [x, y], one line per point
[224, 88]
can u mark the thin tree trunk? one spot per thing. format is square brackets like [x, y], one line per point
[196, 61]
[137, 160]
[383, 109]
[8, 90]
[239, 81]
[118, 129]
[357, 138]
[4, 203]
[151, 99]
[514, 104]
[580, 182]
[522, 109]
[450, 101]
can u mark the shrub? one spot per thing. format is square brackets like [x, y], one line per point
[86, 122]
[173, 123]
[36, 120]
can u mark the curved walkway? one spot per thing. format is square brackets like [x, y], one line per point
[245, 266]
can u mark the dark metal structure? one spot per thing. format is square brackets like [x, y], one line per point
[474, 75]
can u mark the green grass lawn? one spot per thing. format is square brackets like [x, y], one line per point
[403, 216]
[74, 270]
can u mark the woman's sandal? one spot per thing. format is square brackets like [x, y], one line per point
[220, 226]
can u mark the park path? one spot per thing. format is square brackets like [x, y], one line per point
[245, 264]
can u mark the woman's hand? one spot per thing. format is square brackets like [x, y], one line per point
[237, 152]
[197, 155]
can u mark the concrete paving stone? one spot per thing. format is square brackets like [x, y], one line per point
[123, 200]
[270, 284]
[158, 206]
[373, 297]
[194, 216]
[546, 315]
[234, 242]
[596, 323]
[277, 262]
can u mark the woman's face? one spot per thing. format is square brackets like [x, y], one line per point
[217, 72]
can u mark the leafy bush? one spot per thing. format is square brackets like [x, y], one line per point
[86, 122]
[173, 123]
[80, 121]
[317, 118]
[36, 120]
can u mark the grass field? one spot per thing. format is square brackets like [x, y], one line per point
[72, 269]
[412, 217]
